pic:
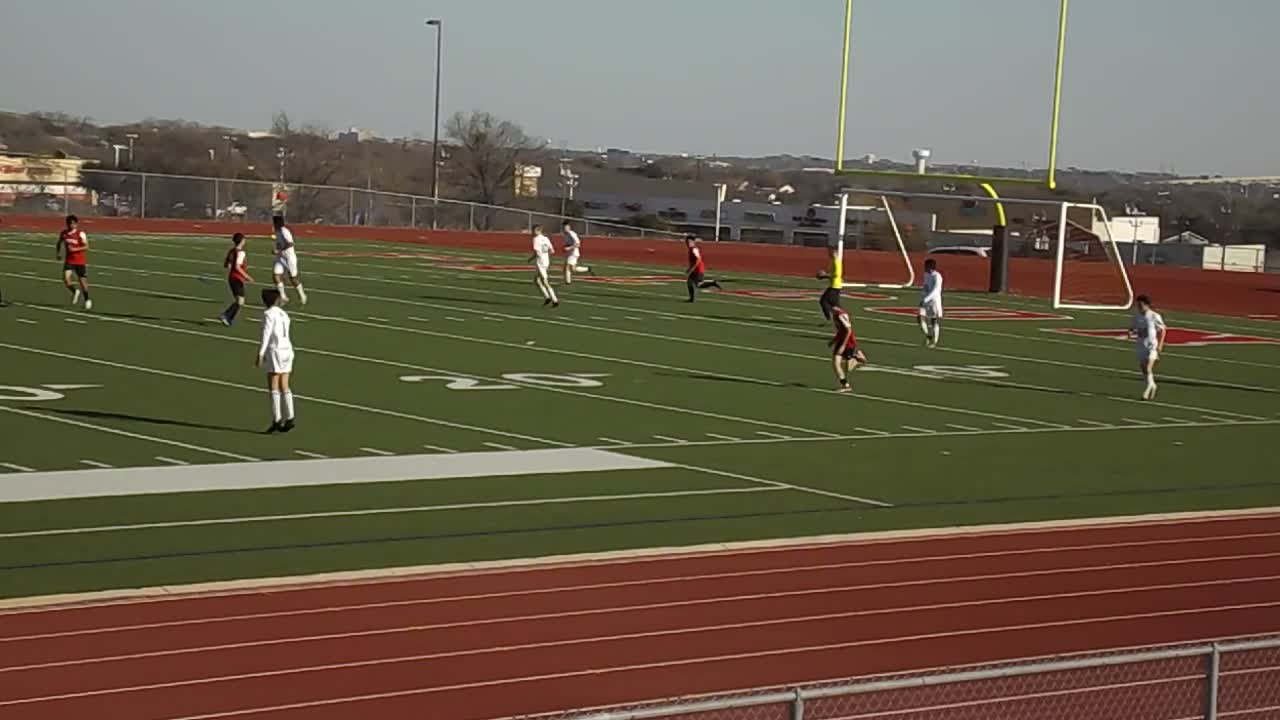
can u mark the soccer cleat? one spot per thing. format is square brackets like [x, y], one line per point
[88, 304]
[555, 304]
[844, 389]
[546, 302]
[1149, 393]
[223, 319]
[275, 428]
[287, 425]
[75, 296]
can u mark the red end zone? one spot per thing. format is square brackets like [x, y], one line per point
[978, 313]
[1179, 336]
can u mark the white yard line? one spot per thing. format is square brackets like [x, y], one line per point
[1135, 421]
[376, 451]
[676, 441]
[96, 464]
[171, 461]
[311, 455]
[499, 446]
[728, 438]
[965, 428]
[790, 486]
[1008, 426]
[77, 321]
[246, 519]
[611, 441]
[774, 435]
[922, 431]
[111, 430]
[869, 431]
[1094, 423]
[25, 321]
[14, 466]
[437, 448]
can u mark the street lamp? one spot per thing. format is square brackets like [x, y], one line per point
[435, 138]
[132, 137]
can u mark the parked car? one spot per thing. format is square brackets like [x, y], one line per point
[971, 250]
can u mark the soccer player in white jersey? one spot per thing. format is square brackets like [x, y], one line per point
[541, 259]
[572, 252]
[931, 303]
[286, 261]
[275, 356]
[1149, 330]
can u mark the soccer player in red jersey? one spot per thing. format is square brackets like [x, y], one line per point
[237, 276]
[845, 347]
[76, 243]
[697, 270]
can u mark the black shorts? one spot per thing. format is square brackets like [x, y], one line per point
[696, 277]
[80, 270]
[849, 353]
[830, 296]
[237, 287]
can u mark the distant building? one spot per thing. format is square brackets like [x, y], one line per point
[355, 136]
[1185, 238]
[52, 179]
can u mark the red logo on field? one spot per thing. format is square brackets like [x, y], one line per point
[392, 255]
[793, 294]
[1179, 336]
[979, 313]
[1264, 317]
[486, 268]
[633, 279]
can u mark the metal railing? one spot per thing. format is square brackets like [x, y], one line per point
[1239, 679]
[191, 197]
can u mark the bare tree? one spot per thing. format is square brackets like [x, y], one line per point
[487, 150]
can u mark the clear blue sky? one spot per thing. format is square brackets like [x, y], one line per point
[1150, 84]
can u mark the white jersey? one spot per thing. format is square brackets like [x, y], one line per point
[542, 250]
[931, 288]
[284, 241]
[275, 333]
[1147, 326]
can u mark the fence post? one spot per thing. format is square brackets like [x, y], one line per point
[216, 196]
[1211, 684]
[351, 207]
[413, 212]
[142, 207]
[529, 223]
[66, 193]
[797, 706]
[471, 224]
[586, 227]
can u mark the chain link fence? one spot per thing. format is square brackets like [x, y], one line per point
[185, 197]
[1189, 682]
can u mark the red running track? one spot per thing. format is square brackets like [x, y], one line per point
[504, 643]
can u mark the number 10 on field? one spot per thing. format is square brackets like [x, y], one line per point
[565, 380]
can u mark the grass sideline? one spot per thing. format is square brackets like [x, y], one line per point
[403, 353]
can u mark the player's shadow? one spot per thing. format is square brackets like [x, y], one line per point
[1214, 385]
[468, 301]
[155, 318]
[708, 377]
[760, 320]
[169, 422]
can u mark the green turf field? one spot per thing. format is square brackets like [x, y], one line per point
[403, 356]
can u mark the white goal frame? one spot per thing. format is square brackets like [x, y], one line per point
[1109, 245]
[897, 236]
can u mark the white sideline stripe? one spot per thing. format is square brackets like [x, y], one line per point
[366, 578]
[774, 435]
[376, 451]
[305, 473]
[438, 448]
[869, 431]
[171, 461]
[776, 483]
[728, 438]
[714, 600]
[597, 672]
[90, 529]
[16, 467]
[224, 383]
[499, 446]
[96, 464]
[122, 433]
[965, 428]
[312, 455]
[25, 321]
[677, 441]
[922, 431]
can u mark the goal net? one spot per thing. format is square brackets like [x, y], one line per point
[1089, 272]
[881, 260]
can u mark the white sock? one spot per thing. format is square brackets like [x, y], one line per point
[935, 331]
[924, 326]
[275, 405]
[288, 404]
[544, 288]
[280, 289]
[302, 294]
[568, 276]
[551, 293]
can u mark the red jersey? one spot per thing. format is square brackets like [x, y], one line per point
[234, 263]
[76, 242]
[844, 339]
[695, 260]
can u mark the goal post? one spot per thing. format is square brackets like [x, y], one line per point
[895, 273]
[1089, 272]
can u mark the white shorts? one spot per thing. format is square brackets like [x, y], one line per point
[1147, 354]
[278, 361]
[572, 257]
[931, 311]
[286, 264]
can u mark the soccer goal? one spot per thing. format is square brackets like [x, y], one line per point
[877, 225]
[1089, 272]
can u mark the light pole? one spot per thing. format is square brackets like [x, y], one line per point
[132, 137]
[435, 137]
